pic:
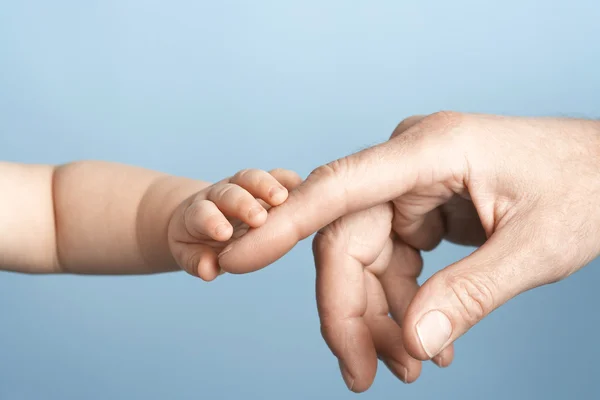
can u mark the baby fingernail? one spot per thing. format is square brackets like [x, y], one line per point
[255, 211]
[397, 369]
[221, 230]
[276, 191]
[434, 330]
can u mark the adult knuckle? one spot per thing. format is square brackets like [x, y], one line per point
[325, 171]
[324, 241]
[446, 119]
[327, 330]
[558, 260]
[332, 327]
[338, 168]
[552, 249]
[473, 296]
[405, 124]
[333, 175]
[401, 127]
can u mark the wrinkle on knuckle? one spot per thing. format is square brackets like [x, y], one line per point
[192, 214]
[324, 243]
[281, 172]
[336, 238]
[240, 175]
[325, 171]
[332, 176]
[328, 173]
[473, 295]
[358, 258]
[191, 263]
[225, 191]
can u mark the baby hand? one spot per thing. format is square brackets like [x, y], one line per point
[207, 221]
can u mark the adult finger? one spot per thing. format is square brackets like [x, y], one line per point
[357, 182]
[418, 220]
[342, 302]
[386, 333]
[399, 282]
[342, 252]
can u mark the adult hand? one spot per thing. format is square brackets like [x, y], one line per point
[526, 190]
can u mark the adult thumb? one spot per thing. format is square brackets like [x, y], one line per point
[456, 298]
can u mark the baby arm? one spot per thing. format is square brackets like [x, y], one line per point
[91, 218]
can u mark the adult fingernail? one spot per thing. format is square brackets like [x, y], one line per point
[397, 369]
[439, 360]
[255, 211]
[434, 330]
[348, 378]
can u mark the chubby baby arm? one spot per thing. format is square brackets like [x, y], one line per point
[88, 217]
[106, 218]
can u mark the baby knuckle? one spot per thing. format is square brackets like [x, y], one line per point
[226, 191]
[193, 212]
[191, 263]
[279, 171]
[243, 174]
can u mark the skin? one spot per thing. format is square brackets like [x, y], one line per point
[524, 191]
[106, 218]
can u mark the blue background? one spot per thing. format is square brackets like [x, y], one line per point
[204, 89]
